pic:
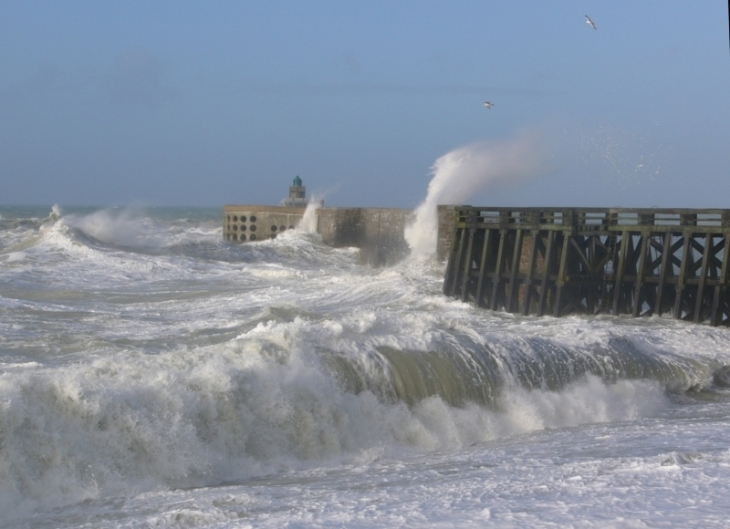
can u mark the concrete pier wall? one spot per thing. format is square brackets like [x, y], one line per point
[378, 232]
[257, 223]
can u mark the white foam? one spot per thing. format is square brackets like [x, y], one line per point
[191, 418]
[127, 371]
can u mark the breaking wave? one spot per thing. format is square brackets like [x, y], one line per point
[178, 360]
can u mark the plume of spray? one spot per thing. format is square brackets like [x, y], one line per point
[308, 224]
[55, 215]
[126, 227]
[465, 171]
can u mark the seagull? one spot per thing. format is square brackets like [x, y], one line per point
[488, 105]
[590, 22]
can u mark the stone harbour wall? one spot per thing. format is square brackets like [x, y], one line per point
[257, 223]
[377, 232]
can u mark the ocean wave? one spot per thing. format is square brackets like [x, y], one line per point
[186, 361]
[272, 398]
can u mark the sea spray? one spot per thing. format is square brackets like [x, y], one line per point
[461, 173]
[55, 215]
[308, 224]
[130, 227]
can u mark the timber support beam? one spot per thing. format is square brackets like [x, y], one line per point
[560, 261]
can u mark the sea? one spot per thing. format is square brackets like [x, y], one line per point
[154, 375]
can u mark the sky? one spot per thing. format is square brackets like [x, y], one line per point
[176, 103]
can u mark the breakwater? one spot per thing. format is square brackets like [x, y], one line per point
[377, 232]
[561, 261]
[257, 223]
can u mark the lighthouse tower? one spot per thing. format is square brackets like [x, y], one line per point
[297, 195]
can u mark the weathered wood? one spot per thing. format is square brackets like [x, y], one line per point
[530, 271]
[512, 287]
[716, 316]
[686, 258]
[611, 261]
[618, 289]
[457, 258]
[465, 278]
[663, 272]
[641, 271]
[547, 264]
[483, 268]
[609, 271]
[496, 280]
[703, 277]
[561, 277]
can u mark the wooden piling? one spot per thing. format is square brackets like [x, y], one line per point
[560, 261]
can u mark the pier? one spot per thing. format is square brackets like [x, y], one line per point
[376, 232]
[561, 261]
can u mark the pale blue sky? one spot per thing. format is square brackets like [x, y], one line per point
[206, 103]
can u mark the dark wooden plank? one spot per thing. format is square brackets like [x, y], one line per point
[497, 279]
[716, 316]
[483, 267]
[679, 288]
[461, 248]
[515, 269]
[638, 286]
[703, 277]
[466, 273]
[548, 261]
[579, 252]
[451, 265]
[530, 272]
[561, 275]
[623, 249]
[663, 273]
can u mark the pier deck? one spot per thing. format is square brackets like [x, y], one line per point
[561, 261]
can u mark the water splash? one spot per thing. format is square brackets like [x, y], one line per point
[308, 224]
[461, 173]
[129, 227]
[52, 217]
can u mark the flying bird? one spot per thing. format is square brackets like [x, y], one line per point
[590, 22]
[488, 105]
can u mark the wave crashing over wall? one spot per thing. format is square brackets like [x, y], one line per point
[463, 172]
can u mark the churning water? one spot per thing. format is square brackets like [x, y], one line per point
[153, 375]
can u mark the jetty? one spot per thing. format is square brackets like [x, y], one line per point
[376, 232]
[563, 261]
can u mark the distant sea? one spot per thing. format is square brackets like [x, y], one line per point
[154, 375]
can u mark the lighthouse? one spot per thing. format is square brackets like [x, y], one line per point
[297, 195]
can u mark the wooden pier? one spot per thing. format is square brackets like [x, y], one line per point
[560, 261]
